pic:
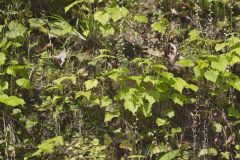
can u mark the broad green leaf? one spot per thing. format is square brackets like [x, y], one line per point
[3, 85]
[141, 18]
[211, 75]
[110, 115]
[129, 105]
[16, 29]
[220, 64]
[47, 146]
[176, 130]
[11, 101]
[102, 17]
[233, 112]
[192, 87]
[171, 155]
[161, 122]
[38, 24]
[25, 83]
[179, 84]
[2, 58]
[60, 28]
[178, 98]
[106, 101]
[72, 78]
[194, 35]
[107, 31]
[220, 46]
[160, 26]
[84, 94]
[117, 13]
[138, 79]
[207, 151]
[89, 84]
[185, 62]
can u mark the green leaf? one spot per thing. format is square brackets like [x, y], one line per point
[60, 28]
[84, 94]
[16, 29]
[220, 64]
[106, 101]
[160, 26]
[194, 35]
[3, 86]
[220, 46]
[179, 84]
[192, 87]
[218, 127]
[171, 155]
[141, 18]
[89, 84]
[66, 9]
[161, 122]
[72, 78]
[110, 115]
[178, 98]
[185, 62]
[138, 79]
[129, 105]
[25, 83]
[117, 13]
[38, 24]
[2, 58]
[107, 31]
[16, 111]
[233, 112]
[102, 17]
[207, 151]
[225, 155]
[48, 145]
[211, 75]
[11, 101]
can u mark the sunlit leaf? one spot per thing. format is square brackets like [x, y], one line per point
[11, 100]
[171, 155]
[211, 75]
[2, 58]
[161, 122]
[25, 83]
[89, 84]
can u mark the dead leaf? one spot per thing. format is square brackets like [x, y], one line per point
[60, 58]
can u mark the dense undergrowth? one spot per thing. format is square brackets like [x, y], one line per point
[89, 79]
